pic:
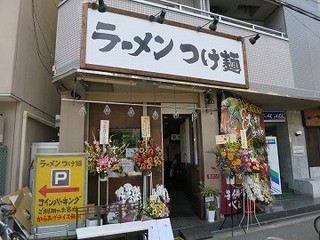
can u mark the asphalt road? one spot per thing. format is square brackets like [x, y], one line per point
[297, 228]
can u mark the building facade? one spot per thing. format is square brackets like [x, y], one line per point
[28, 100]
[121, 59]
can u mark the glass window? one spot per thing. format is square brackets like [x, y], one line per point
[129, 136]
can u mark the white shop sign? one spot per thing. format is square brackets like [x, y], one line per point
[123, 42]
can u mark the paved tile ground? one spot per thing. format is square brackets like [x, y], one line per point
[186, 224]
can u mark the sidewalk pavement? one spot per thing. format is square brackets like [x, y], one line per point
[188, 226]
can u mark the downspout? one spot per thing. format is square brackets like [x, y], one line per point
[27, 115]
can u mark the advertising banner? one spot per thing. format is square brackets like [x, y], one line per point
[274, 165]
[59, 188]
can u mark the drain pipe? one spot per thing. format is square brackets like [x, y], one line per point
[27, 115]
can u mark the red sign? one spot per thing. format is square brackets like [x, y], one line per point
[231, 199]
[213, 176]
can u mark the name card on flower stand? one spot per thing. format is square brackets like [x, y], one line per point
[165, 229]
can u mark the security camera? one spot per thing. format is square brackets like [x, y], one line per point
[208, 97]
[298, 133]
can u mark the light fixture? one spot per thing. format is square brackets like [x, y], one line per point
[160, 18]
[102, 6]
[155, 114]
[82, 111]
[252, 39]
[107, 109]
[131, 110]
[194, 113]
[175, 113]
[212, 26]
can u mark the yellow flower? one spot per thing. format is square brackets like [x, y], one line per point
[223, 154]
[230, 156]
[238, 161]
[141, 150]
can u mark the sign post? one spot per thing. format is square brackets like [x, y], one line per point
[59, 188]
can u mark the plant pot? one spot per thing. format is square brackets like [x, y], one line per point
[93, 222]
[211, 215]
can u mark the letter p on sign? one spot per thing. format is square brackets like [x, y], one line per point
[60, 178]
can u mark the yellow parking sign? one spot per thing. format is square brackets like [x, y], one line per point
[59, 188]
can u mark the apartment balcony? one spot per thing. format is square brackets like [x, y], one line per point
[268, 61]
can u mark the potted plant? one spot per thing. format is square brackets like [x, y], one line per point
[211, 211]
[209, 194]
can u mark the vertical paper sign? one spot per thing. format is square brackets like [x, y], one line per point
[244, 143]
[104, 131]
[145, 126]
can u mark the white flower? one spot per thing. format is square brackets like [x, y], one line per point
[160, 193]
[128, 193]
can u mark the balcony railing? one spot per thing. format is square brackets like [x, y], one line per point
[206, 15]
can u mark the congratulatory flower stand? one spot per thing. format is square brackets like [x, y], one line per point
[133, 213]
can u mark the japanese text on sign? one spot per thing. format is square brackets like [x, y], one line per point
[145, 126]
[162, 49]
[59, 188]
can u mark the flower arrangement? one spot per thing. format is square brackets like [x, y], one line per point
[254, 166]
[148, 156]
[155, 209]
[257, 190]
[160, 193]
[129, 198]
[128, 193]
[229, 159]
[157, 205]
[103, 158]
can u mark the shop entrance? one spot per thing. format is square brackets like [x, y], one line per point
[180, 168]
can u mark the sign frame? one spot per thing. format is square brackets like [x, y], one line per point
[90, 59]
[76, 163]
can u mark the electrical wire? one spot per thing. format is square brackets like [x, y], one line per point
[54, 4]
[36, 38]
[299, 10]
[303, 24]
[35, 17]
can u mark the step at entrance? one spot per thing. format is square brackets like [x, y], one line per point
[196, 233]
